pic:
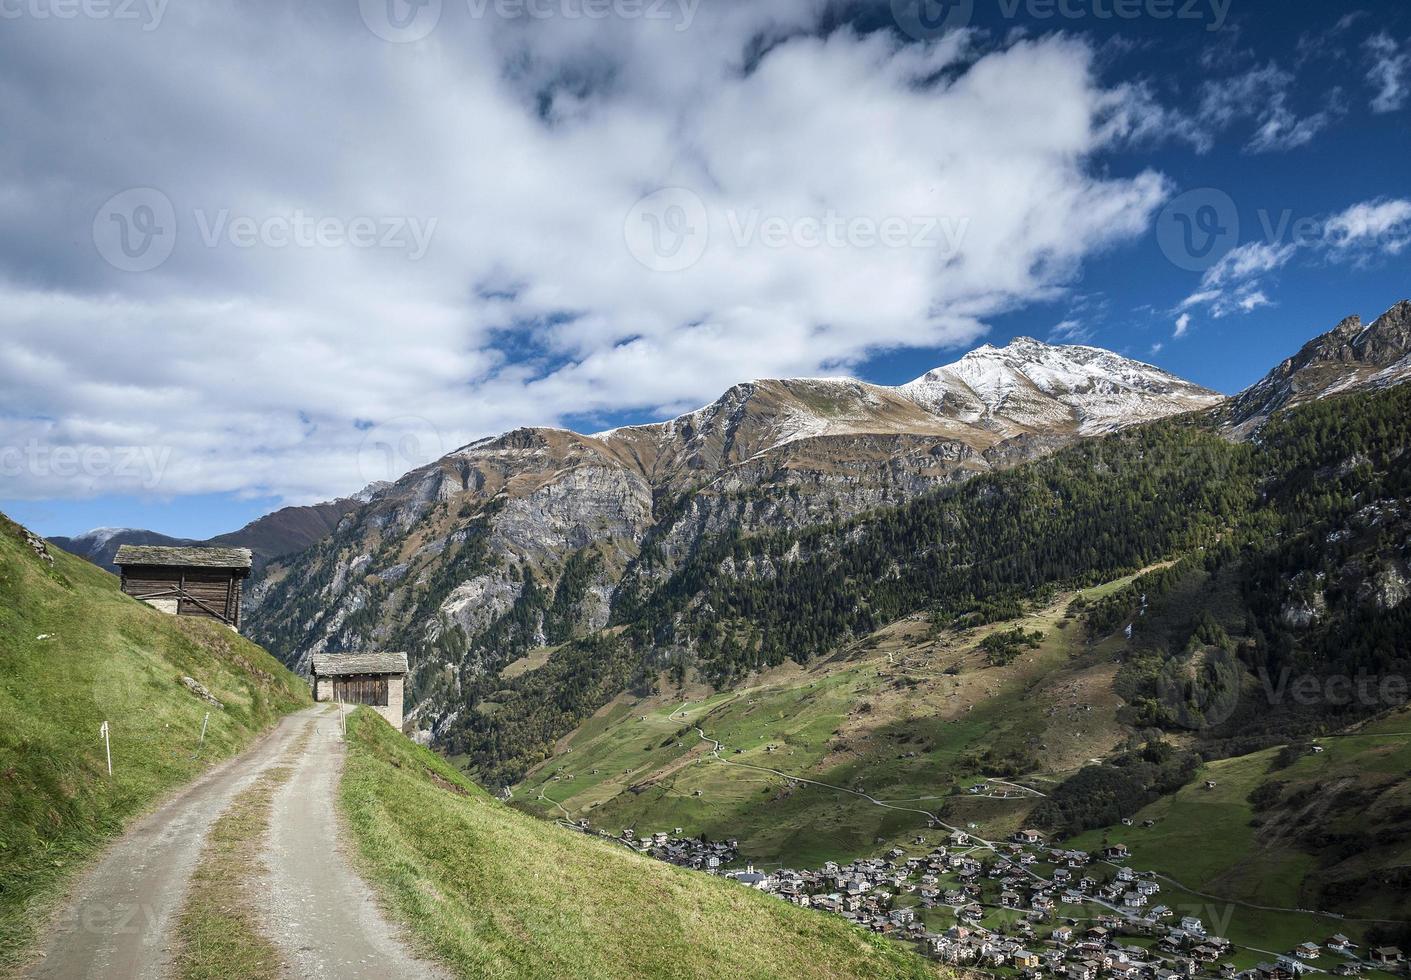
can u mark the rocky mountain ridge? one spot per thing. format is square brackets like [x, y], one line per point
[458, 557]
[540, 535]
[1349, 356]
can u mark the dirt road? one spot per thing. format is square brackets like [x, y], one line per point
[320, 912]
[121, 917]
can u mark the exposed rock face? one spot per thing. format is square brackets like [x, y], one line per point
[1306, 606]
[37, 545]
[1347, 357]
[536, 536]
[1388, 589]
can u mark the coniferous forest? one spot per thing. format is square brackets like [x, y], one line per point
[1305, 517]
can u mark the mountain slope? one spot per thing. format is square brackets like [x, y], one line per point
[542, 535]
[1277, 614]
[496, 893]
[75, 652]
[1347, 357]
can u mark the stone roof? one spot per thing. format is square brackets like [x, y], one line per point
[337, 664]
[142, 554]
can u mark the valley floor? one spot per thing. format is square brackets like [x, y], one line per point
[883, 745]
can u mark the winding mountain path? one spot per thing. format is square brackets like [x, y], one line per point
[120, 919]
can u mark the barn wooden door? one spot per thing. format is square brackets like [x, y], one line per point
[361, 689]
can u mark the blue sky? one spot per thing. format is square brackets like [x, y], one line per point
[488, 188]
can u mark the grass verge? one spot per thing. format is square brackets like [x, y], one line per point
[75, 652]
[218, 932]
[492, 892]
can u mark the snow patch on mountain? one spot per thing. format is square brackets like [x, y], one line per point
[1032, 385]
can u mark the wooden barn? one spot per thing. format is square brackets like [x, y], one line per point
[202, 582]
[374, 679]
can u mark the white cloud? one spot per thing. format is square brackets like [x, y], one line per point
[1247, 261]
[1252, 299]
[1265, 95]
[1389, 73]
[1183, 323]
[1361, 234]
[528, 144]
[1070, 331]
[1383, 226]
[1234, 284]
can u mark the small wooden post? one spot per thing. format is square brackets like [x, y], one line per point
[107, 747]
[201, 744]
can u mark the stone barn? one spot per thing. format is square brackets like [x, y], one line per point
[203, 582]
[374, 679]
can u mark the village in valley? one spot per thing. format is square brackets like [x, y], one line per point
[1020, 907]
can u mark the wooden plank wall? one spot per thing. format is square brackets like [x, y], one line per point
[369, 689]
[218, 590]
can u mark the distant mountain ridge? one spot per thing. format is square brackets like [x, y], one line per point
[461, 553]
[286, 531]
[542, 534]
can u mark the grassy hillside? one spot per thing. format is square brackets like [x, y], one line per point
[496, 893]
[1291, 828]
[75, 652]
[912, 715]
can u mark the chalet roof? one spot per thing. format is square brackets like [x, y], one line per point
[338, 664]
[143, 554]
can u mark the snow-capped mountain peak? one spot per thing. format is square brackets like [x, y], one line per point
[100, 536]
[1028, 384]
